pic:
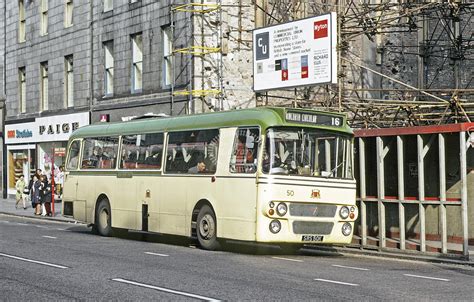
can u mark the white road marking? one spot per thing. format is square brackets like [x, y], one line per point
[51, 237]
[41, 227]
[337, 282]
[19, 223]
[351, 267]
[33, 261]
[425, 277]
[156, 254]
[165, 290]
[287, 259]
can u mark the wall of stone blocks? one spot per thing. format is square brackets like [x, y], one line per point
[51, 48]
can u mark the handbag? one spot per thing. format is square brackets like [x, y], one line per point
[26, 191]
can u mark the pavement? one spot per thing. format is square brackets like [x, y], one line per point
[7, 206]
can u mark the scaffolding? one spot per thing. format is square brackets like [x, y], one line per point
[204, 63]
[402, 62]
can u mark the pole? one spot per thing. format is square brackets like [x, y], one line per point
[52, 184]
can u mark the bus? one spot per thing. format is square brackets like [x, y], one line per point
[267, 175]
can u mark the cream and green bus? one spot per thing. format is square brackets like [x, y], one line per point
[272, 175]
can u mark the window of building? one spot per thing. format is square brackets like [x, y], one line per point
[142, 151]
[245, 151]
[108, 5]
[22, 89]
[43, 17]
[192, 152]
[100, 153]
[133, 1]
[68, 81]
[73, 155]
[109, 68]
[167, 55]
[137, 60]
[44, 86]
[68, 9]
[21, 21]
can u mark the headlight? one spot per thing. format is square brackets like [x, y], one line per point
[344, 212]
[282, 209]
[346, 229]
[275, 226]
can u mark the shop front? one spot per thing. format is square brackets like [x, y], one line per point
[39, 145]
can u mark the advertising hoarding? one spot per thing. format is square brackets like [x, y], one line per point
[298, 53]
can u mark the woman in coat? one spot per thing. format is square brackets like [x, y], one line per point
[46, 194]
[35, 194]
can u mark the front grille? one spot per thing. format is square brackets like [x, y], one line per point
[312, 210]
[312, 227]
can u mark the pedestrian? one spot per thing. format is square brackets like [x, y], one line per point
[45, 195]
[59, 179]
[20, 188]
[35, 195]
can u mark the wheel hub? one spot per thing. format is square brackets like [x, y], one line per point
[207, 227]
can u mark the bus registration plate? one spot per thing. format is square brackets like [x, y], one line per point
[312, 238]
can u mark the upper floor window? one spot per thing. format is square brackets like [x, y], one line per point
[167, 55]
[109, 68]
[192, 151]
[44, 86]
[108, 5]
[43, 17]
[137, 60]
[21, 21]
[68, 81]
[22, 89]
[68, 9]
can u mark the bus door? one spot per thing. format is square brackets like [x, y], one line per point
[71, 180]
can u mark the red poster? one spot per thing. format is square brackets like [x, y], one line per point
[321, 29]
[284, 75]
[304, 72]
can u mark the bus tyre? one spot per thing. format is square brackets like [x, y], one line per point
[103, 218]
[207, 229]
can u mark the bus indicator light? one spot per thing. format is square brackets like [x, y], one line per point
[271, 212]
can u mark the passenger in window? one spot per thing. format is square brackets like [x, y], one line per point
[154, 158]
[200, 167]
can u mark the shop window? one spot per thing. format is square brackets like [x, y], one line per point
[100, 153]
[245, 151]
[108, 5]
[192, 152]
[73, 154]
[142, 151]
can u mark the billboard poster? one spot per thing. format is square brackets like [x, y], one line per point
[298, 53]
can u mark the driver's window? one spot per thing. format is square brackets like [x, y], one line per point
[73, 158]
[245, 150]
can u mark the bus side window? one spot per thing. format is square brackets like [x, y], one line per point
[192, 152]
[142, 151]
[100, 153]
[73, 155]
[245, 150]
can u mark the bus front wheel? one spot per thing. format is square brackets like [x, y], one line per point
[207, 229]
[103, 219]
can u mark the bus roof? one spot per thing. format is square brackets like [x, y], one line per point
[264, 117]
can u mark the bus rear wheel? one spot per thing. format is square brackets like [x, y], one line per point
[103, 218]
[206, 229]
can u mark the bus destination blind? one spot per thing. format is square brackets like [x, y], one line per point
[314, 118]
